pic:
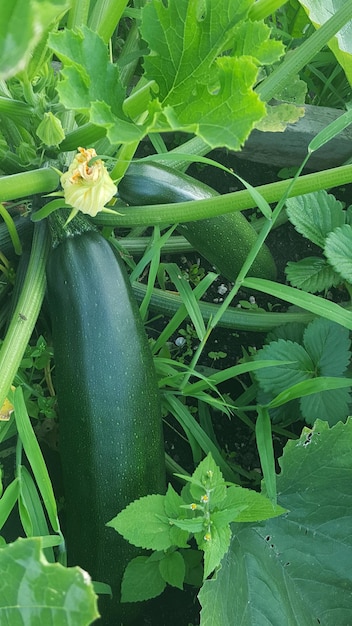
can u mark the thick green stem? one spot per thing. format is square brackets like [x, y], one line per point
[15, 109]
[228, 203]
[26, 312]
[263, 8]
[78, 14]
[105, 17]
[26, 184]
[168, 303]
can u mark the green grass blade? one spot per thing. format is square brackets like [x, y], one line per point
[8, 500]
[230, 372]
[181, 311]
[309, 387]
[314, 304]
[35, 458]
[188, 298]
[294, 62]
[333, 129]
[187, 421]
[266, 452]
[31, 509]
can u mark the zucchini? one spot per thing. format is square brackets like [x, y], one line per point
[110, 426]
[224, 241]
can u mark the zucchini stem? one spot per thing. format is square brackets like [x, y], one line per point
[26, 311]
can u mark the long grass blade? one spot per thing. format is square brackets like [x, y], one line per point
[309, 387]
[35, 458]
[266, 452]
[314, 304]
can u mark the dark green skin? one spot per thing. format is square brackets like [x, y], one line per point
[224, 240]
[110, 424]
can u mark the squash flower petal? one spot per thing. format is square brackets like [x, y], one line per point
[87, 188]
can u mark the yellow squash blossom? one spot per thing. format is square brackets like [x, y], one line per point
[87, 188]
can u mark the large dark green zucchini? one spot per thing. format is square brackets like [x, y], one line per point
[109, 413]
[224, 240]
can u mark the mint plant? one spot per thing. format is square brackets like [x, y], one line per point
[204, 511]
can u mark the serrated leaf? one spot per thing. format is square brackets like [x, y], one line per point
[294, 569]
[144, 523]
[173, 569]
[338, 251]
[91, 84]
[226, 516]
[257, 506]
[253, 39]
[198, 89]
[331, 405]
[315, 215]
[328, 345]
[141, 580]
[278, 378]
[172, 502]
[312, 274]
[194, 525]
[33, 591]
[215, 547]
[207, 478]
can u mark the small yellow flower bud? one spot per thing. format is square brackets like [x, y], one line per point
[207, 537]
[193, 506]
[205, 498]
[87, 188]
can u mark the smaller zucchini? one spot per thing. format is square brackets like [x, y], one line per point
[224, 241]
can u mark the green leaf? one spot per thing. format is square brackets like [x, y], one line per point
[198, 89]
[331, 405]
[215, 546]
[33, 591]
[91, 85]
[312, 274]
[253, 39]
[314, 304]
[324, 357]
[328, 345]
[257, 506]
[194, 525]
[208, 479]
[319, 13]
[141, 580]
[144, 523]
[296, 568]
[22, 24]
[173, 569]
[226, 515]
[276, 379]
[315, 215]
[338, 251]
